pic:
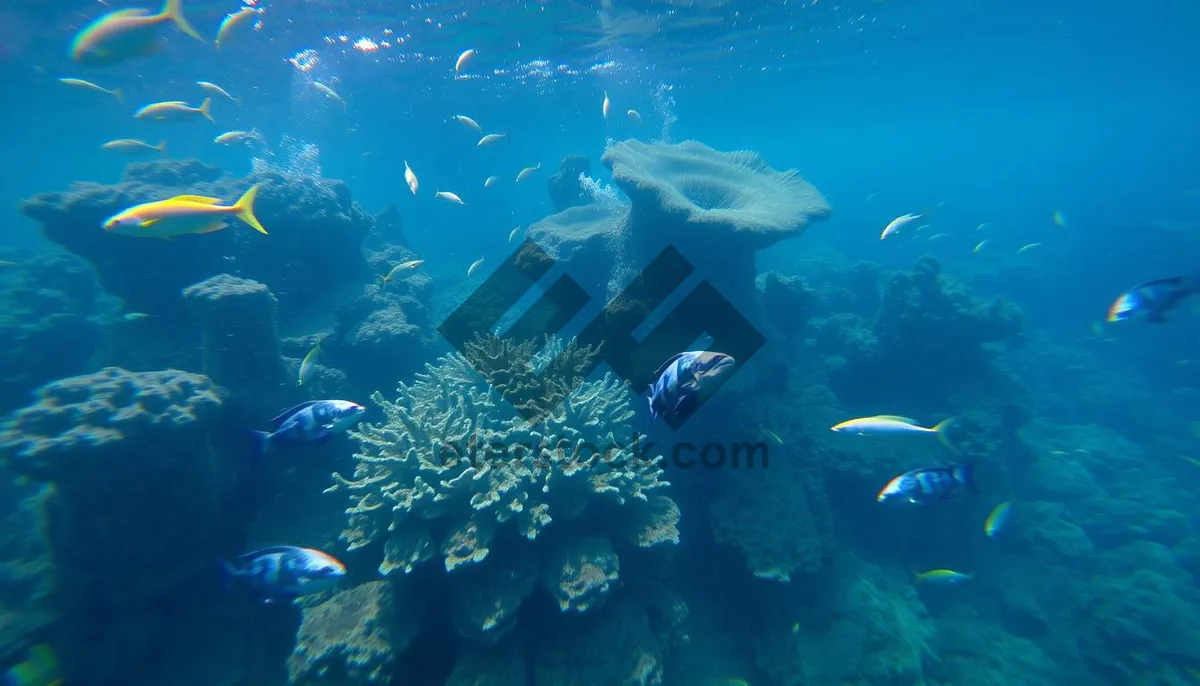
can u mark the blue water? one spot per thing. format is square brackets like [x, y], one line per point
[987, 118]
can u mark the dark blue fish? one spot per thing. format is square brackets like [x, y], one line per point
[1152, 300]
[285, 572]
[929, 484]
[310, 423]
[685, 381]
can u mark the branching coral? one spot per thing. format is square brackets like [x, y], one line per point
[454, 464]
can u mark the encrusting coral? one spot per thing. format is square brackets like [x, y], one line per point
[455, 466]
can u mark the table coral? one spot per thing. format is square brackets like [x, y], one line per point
[453, 464]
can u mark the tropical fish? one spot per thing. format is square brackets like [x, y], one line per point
[329, 93]
[981, 245]
[685, 381]
[490, 139]
[982, 226]
[1031, 246]
[1154, 299]
[1059, 218]
[134, 316]
[399, 269]
[175, 110]
[410, 178]
[231, 137]
[513, 234]
[449, 197]
[897, 223]
[183, 214]
[474, 265]
[469, 122]
[88, 85]
[936, 236]
[462, 60]
[310, 423]
[38, 668]
[308, 364]
[943, 576]
[774, 437]
[606, 106]
[928, 484]
[527, 171]
[634, 116]
[231, 22]
[131, 146]
[997, 519]
[284, 572]
[123, 34]
[217, 90]
[891, 424]
[490, 181]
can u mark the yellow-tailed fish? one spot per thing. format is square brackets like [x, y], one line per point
[410, 178]
[308, 365]
[527, 172]
[123, 34]
[134, 316]
[891, 424]
[400, 269]
[217, 90]
[449, 197]
[981, 245]
[490, 139]
[1031, 246]
[230, 23]
[943, 576]
[39, 668]
[132, 146]
[469, 122]
[175, 110]
[897, 223]
[462, 60]
[183, 214]
[997, 519]
[88, 85]
[231, 137]
[329, 93]
[634, 116]
[936, 236]
[490, 181]
[513, 234]
[473, 267]
[1059, 218]
[606, 107]
[774, 437]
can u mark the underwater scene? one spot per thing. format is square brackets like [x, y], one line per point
[599, 343]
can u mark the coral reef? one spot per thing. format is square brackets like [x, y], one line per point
[314, 244]
[564, 186]
[587, 238]
[241, 338]
[620, 648]
[25, 568]
[453, 457]
[134, 474]
[355, 636]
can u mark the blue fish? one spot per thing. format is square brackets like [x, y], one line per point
[929, 484]
[1152, 300]
[685, 381]
[310, 423]
[285, 572]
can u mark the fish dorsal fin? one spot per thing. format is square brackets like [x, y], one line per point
[897, 418]
[663, 367]
[203, 199]
[283, 417]
[270, 550]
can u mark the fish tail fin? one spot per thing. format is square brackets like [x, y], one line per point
[120, 96]
[244, 208]
[228, 573]
[965, 475]
[161, 147]
[174, 10]
[383, 280]
[238, 101]
[206, 110]
[260, 444]
[943, 435]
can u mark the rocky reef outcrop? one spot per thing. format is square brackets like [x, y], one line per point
[565, 188]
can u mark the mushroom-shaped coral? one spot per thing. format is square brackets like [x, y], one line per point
[134, 472]
[314, 243]
[579, 573]
[716, 208]
[354, 637]
[454, 464]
